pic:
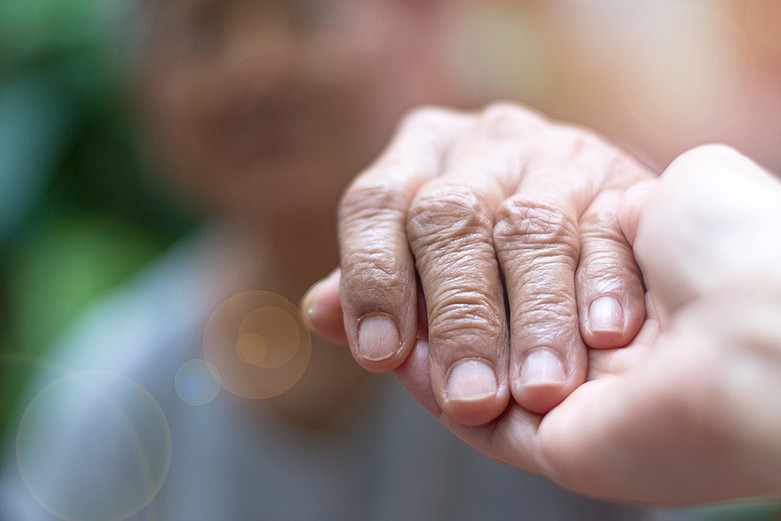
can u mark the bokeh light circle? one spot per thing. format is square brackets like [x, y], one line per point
[78, 431]
[251, 348]
[259, 344]
[197, 382]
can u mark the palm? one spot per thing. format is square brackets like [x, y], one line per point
[598, 440]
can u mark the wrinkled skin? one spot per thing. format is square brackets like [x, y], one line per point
[686, 413]
[508, 220]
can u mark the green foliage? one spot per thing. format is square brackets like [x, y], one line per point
[78, 213]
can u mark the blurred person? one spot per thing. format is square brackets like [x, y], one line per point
[172, 398]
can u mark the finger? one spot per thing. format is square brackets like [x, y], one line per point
[415, 377]
[378, 285]
[511, 439]
[681, 387]
[450, 232]
[538, 240]
[608, 283]
[450, 236]
[322, 308]
[537, 245]
[631, 204]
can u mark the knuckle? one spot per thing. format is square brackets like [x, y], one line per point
[605, 253]
[505, 119]
[546, 310]
[608, 270]
[601, 227]
[601, 267]
[366, 199]
[625, 170]
[425, 117]
[533, 226]
[369, 272]
[598, 155]
[578, 139]
[448, 213]
[603, 213]
[587, 147]
[466, 316]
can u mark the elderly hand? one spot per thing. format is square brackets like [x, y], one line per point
[501, 227]
[689, 411]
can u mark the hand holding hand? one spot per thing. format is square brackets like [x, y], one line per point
[689, 412]
[498, 229]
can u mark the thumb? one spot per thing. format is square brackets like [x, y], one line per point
[322, 308]
[630, 207]
[713, 219]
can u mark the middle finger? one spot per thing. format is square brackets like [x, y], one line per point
[450, 228]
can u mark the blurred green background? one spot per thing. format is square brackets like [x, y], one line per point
[79, 208]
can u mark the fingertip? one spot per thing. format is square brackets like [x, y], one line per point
[414, 376]
[471, 413]
[606, 315]
[322, 295]
[541, 398]
[630, 207]
[542, 383]
[620, 330]
[605, 326]
[472, 393]
[322, 308]
[379, 343]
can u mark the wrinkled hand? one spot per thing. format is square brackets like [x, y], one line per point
[690, 411]
[497, 232]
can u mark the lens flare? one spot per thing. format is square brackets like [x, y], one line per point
[77, 431]
[197, 382]
[258, 343]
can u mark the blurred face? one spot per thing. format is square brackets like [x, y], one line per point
[265, 109]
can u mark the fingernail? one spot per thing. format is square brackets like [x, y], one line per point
[307, 303]
[606, 314]
[378, 337]
[471, 380]
[542, 367]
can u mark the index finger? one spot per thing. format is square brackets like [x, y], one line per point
[378, 285]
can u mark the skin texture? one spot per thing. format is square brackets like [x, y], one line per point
[504, 225]
[687, 412]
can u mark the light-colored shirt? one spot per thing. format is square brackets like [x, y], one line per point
[108, 435]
